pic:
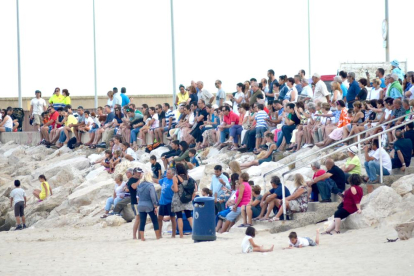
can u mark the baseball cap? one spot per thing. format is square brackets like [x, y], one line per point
[395, 63]
[38, 91]
[138, 170]
[228, 102]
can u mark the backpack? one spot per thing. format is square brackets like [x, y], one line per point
[149, 148]
[188, 190]
[71, 143]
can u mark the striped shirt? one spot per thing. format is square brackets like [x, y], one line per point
[168, 115]
[260, 119]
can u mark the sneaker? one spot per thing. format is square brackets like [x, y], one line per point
[19, 227]
[24, 226]
[305, 146]
[310, 145]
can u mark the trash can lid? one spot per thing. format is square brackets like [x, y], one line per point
[203, 199]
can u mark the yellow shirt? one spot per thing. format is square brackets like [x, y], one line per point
[354, 161]
[56, 99]
[42, 194]
[66, 100]
[182, 98]
[71, 120]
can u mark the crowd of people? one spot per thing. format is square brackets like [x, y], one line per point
[266, 117]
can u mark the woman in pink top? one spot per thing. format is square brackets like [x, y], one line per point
[243, 197]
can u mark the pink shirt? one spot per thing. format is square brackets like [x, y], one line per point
[247, 195]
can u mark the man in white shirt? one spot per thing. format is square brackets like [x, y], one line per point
[203, 94]
[37, 107]
[221, 95]
[372, 163]
[117, 97]
[321, 91]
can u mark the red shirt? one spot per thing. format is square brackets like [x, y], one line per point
[54, 116]
[266, 109]
[351, 200]
[318, 173]
[232, 117]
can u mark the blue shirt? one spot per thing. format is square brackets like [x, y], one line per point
[353, 91]
[395, 93]
[344, 90]
[281, 111]
[168, 115]
[125, 99]
[283, 91]
[278, 191]
[194, 161]
[216, 186]
[110, 118]
[382, 83]
[271, 90]
[260, 119]
[409, 85]
[166, 191]
[399, 72]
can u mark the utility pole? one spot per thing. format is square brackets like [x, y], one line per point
[386, 33]
[173, 51]
[94, 56]
[309, 42]
[18, 56]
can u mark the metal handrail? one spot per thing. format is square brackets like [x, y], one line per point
[334, 144]
[340, 150]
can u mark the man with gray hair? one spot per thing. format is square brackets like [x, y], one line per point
[321, 93]
[395, 89]
[353, 90]
[332, 181]
[203, 94]
[307, 93]
[256, 92]
[316, 168]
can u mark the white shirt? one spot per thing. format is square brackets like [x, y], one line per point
[89, 121]
[110, 103]
[119, 190]
[38, 105]
[246, 246]
[324, 119]
[412, 92]
[346, 83]
[9, 122]
[307, 91]
[386, 159]
[289, 94]
[132, 153]
[300, 241]
[374, 94]
[235, 104]
[205, 95]
[156, 122]
[117, 99]
[18, 195]
[191, 118]
[321, 91]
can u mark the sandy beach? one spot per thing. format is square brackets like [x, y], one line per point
[105, 251]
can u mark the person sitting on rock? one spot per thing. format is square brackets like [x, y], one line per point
[401, 155]
[298, 201]
[253, 209]
[119, 194]
[333, 181]
[372, 162]
[116, 159]
[271, 199]
[127, 152]
[353, 164]
[316, 168]
[271, 148]
[221, 216]
[350, 204]
[45, 189]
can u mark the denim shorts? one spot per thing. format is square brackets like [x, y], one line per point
[165, 129]
[260, 132]
[8, 129]
[232, 216]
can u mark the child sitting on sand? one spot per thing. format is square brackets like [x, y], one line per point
[248, 244]
[299, 242]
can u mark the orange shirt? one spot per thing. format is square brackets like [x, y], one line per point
[343, 118]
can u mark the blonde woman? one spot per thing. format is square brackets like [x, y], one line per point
[337, 92]
[297, 202]
[234, 167]
[147, 204]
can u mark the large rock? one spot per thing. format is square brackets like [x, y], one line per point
[158, 151]
[114, 221]
[61, 178]
[404, 230]
[404, 185]
[376, 207]
[91, 191]
[197, 173]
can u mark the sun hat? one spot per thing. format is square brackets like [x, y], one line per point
[353, 149]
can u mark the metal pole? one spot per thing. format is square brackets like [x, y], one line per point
[94, 57]
[283, 197]
[359, 146]
[380, 158]
[19, 79]
[387, 48]
[173, 51]
[309, 42]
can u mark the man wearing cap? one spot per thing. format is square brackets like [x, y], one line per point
[321, 93]
[182, 97]
[395, 90]
[333, 181]
[221, 95]
[134, 176]
[395, 67]
[81, 123]
[352, 164]
[117, 100]
[353, 89]
[124, 97]
[37, 107]
[204, 94]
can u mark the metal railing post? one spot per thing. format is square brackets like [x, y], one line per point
[380, 158]
[359, 146]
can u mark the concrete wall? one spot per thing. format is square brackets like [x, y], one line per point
[88, 102]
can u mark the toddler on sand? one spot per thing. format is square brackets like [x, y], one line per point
[248, 244]
[299, 242]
